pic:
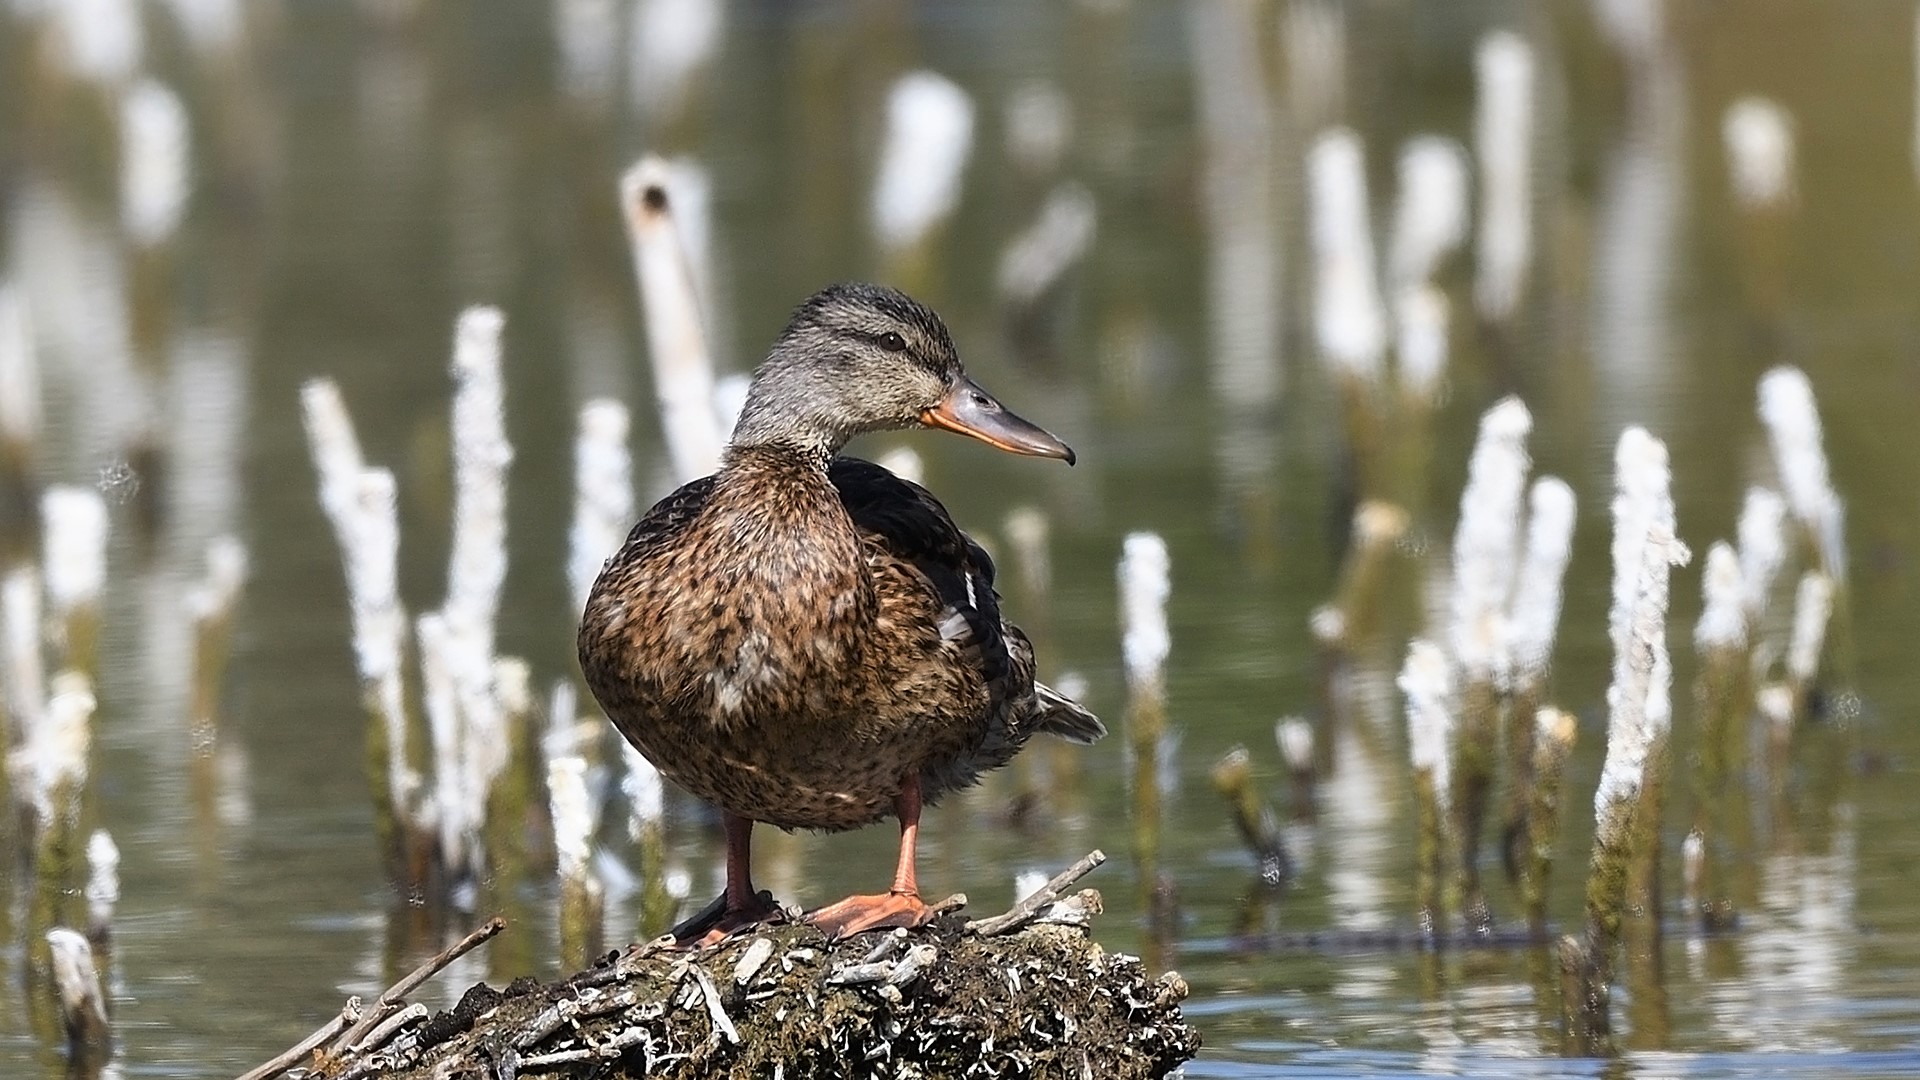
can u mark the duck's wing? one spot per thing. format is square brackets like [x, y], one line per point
[905, 524]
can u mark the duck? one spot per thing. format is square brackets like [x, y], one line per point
[806, 640]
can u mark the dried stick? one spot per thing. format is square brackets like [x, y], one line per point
[294, 1054]
[396, 994]
[388, 1028]
[1028, 909]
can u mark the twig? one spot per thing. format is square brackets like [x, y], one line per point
[396, 994]
[564, 1057]
[1028, 909]
[550, 1020]
[388, 1028]
[711, 993]
[292, 1056]
[887, 945]
[861, 974]
[752, 961]
[1076, 910]
[918, 959]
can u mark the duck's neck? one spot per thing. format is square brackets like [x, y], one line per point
[809, 459]
[778, 479]
[793, 406]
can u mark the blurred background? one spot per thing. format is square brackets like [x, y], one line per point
[205, 203]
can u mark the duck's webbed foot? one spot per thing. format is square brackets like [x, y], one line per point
[720, 920]
[857, 914]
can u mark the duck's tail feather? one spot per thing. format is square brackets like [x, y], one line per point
[1060, 715]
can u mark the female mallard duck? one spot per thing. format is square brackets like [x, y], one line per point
[808, 640]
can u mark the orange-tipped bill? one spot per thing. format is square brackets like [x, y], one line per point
[972, 411]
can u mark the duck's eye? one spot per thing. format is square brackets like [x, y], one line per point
[893, 342]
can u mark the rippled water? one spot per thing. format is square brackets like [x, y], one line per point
[363, 171]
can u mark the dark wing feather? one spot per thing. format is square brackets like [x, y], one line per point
[912, 526]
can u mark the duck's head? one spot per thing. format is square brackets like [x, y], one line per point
[857, 358]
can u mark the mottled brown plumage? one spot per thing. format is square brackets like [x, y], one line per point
[806, 639]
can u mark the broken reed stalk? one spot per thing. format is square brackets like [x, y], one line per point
[1486, 547]
[1349, 319]
[102, 894]
[1378, 528]
[515, 807]
[582, 898]
[23, 690]
[83, 1009]
[49, 774]
[1036, 261]
[1812, 610]
[156, 163]
[603, 511]
[434, 841]
[1640, 713]
[1785, 704]
[1761, 541]
[603, 494]
[1258, 827]
[1430, 211]
[1552, 745]
[1052, 773]
[929, 135]
[1532, 620]
[1430, 222]
[1723, 695]
[1693, 862]
[362, 505]
[1758, 137]
[1027, 531]
[676, 332]
[19, 405]
[1503, 143]
[1793, 428]
[74, 560]
[1787, 409]
[212, 606]
[1144, 588]
[1421, 348]
[647, 828]
[473, 748]
[1762, 538]
[1294, 736]
[1426, 682]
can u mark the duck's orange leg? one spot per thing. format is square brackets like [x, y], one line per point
[740, 906]
[898, 906]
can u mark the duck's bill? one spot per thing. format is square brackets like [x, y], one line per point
[971, 411]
